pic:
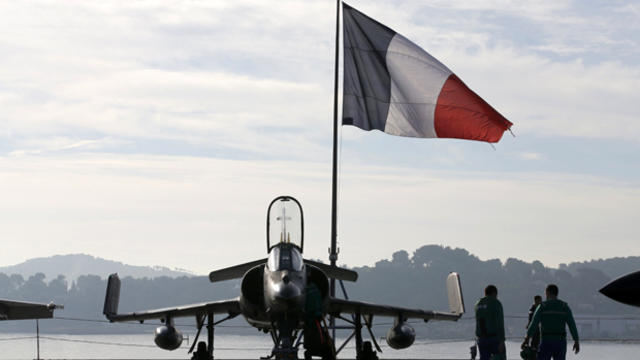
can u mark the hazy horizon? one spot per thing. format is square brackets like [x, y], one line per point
[193, 273]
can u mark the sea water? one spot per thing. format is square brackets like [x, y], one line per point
[24, 346]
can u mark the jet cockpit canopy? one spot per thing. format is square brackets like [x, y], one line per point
[285, 223]
[285, 257]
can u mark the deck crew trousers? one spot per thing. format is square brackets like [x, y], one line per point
[487, 347]
[555, 349]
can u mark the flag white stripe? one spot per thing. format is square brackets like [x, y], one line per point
[416, 81]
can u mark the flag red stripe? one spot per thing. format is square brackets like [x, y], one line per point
[462, 114]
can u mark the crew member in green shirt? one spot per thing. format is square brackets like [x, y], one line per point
[316, 339]
[553, 316]
[490, 325]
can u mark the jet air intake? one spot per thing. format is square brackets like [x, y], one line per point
[168, 337]
[401, 335]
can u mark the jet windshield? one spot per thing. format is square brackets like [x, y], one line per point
[285, 223]
[285, 258]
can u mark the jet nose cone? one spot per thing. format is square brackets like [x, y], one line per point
[625, 289]
[288, 291]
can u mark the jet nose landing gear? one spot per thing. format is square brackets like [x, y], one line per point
[286, 339]
[286, 354]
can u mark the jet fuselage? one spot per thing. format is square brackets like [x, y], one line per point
[275, 292]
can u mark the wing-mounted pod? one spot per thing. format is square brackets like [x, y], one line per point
[401, 335]
[167, 337]
[285, 223]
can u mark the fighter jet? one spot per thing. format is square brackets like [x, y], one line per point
[21, 310]
[625, 289]
[277, 293]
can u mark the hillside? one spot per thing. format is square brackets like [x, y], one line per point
[613, 267]
[74, 265]
[411, 280]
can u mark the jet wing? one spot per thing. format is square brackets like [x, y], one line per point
[456, 306]
[334, 271]
[238, 271]
[21, 310]
[230, 307]
[338, 306]
[112, 299]
[234, 272]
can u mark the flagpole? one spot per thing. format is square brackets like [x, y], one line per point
[333, 252]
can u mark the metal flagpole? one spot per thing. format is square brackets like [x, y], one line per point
[333, 252]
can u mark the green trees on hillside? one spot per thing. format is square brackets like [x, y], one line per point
[416, 280]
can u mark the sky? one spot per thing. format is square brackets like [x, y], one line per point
[157, 132]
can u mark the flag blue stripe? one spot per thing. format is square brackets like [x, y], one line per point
[367, 83]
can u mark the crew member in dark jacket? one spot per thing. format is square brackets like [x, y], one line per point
[316, 339]
[490, 325]
[553, 316]
[535, 338]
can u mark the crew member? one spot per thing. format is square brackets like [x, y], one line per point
[201, 353]
[316, 339]
[535, 338]
[553, 315]
[490, 325]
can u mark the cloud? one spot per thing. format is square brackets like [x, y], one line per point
[530, 156]
[180, 72]
[539, 10]
[561, 98]
[57, 144]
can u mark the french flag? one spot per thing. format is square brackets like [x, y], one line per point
[392, 85]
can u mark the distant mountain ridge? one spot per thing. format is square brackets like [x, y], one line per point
[613, 267]
[74, 265]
